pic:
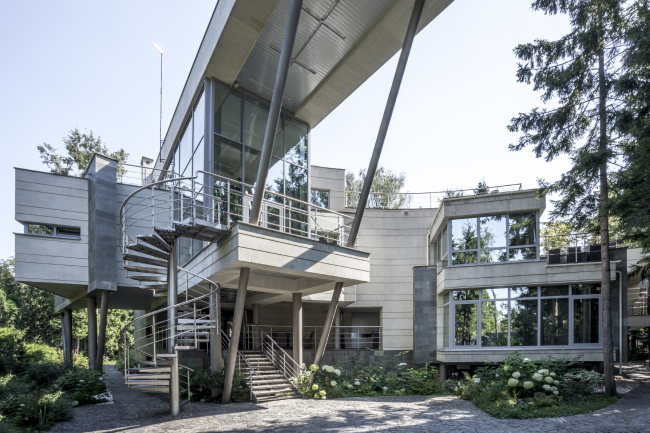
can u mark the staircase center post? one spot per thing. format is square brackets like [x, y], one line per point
[172, 293]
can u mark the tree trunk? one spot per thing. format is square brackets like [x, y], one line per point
[608, 358]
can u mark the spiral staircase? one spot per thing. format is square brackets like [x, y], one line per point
[154, 219]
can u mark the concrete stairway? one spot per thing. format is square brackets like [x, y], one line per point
[269, 383]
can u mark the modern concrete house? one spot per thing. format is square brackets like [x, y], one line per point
[222, 271]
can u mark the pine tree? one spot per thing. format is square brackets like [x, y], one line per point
[577, 73]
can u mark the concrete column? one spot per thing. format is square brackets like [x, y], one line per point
[337, 329]
[328, 324]
[91, 306]
[240, 303]
[101, 340]
[442, 372]
[256, 321]
[172, 294]
[297, 328]
[216, 355]
[66, 329]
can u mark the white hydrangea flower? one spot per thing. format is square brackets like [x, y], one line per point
[537, 377]
[547, 388]
[506, 367]
[513, 382]
[402, 364]
[385, 389]
[314, 387]
[313, 367]
[556, 382]
[526, 359]
[337, 372]
[516, 375]
[356, 382]
[329, 369]
[324, 398]
[322, 393]
[548, 379]
[324, 367]
[528, 384]
[556, 392]
[552, 374]
[333, 383]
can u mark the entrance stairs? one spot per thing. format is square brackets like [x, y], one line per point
[269, 384]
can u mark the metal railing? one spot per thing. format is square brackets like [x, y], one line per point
[421, 200]
[140, 175]
[242, 365]
[257, 339]
[224, 202]
[199, 321]
[340, 337]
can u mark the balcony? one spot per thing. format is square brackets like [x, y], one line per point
[572, 248]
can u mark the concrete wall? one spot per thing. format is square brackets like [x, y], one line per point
[58, 265]
[425, 302]
[332, 180]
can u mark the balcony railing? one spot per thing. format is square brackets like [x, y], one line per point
[340, 338]
[139, 175]
[420, 200]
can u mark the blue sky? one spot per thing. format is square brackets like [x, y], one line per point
[91, 65]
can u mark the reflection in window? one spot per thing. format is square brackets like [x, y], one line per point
[466, 258]
[493, 256]
[465, 295]
[256, 115]
[320, 198]
[199, 121]
[518, 254]
[494, 323]
[555, 290]
[585, 321]
[522, 229]
[523, 292]
[228, 113]
[464, 235]
[493, 231]
[466, 325]
[586, 289]
[494, 293]
[296, 142]
[555, 322]
[523, 322]
[40, 229]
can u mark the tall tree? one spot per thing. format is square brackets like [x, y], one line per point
[631, 202]
[80, 148]
[386, 189]
[577, 73]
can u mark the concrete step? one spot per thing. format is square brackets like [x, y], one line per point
[149, 250]
[272, 387]
[152, 369]
[265, 392]
[156, 364]
[268, 377]
[149, 388]
[148, 382]
[155, 240]
[279, 397]
[146, 269]
[161, 278]
[156, 376]
[146, 260]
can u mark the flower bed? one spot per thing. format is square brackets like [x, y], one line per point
[525, 388]
[384, 377]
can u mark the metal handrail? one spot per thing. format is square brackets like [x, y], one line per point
[264, 336]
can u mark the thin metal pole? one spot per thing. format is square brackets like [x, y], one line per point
[153, 327]
[385, 121]
[276, 106]
[160, 124]
[240, 303]
[91, 304]
[172, 293]
[174, 388]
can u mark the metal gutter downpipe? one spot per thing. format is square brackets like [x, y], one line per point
[276, 107]
[385, 121]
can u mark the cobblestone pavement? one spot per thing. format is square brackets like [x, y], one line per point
[136, 412]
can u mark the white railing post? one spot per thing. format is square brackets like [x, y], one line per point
[153, 327]
[153, 207]
[228, 205]
[171, 207]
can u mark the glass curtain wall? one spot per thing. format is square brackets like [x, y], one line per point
[239, 128]
[527, 316]
[494, 238]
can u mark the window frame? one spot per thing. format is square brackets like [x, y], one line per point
[56, 233]
[478, 250]
[479, 316]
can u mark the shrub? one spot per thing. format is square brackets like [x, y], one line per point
[45, 373]
[582, 382]
[81, 385]
[36, 352]
[202, 383]
[11, 350]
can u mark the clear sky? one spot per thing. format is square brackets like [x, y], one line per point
[91, 65]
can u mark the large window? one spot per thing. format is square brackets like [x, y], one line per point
[494, 238]
[526, 316]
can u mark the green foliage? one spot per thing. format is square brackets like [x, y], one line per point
[11, 349]
[27, 308]
[202, 383]
[526, 388]
[80, 148]
[81, 385]
[38, 352]
[386, 188]
[385, 376]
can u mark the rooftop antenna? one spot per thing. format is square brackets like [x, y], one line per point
[161, 77]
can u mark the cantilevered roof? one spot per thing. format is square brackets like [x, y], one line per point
[339, 45]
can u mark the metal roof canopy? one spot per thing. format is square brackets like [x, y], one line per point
[339, 45]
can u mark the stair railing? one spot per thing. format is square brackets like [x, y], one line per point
[241, 363]
[260, 340]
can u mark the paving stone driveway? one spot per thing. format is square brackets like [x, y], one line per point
[136, 412]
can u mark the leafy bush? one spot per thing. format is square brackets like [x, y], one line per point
[81, 385]
[45, 373]
[11, 350]
[385, 376]
[36, 352]
[202, 383]
[526, 388]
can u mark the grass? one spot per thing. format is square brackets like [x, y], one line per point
[505, 408]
